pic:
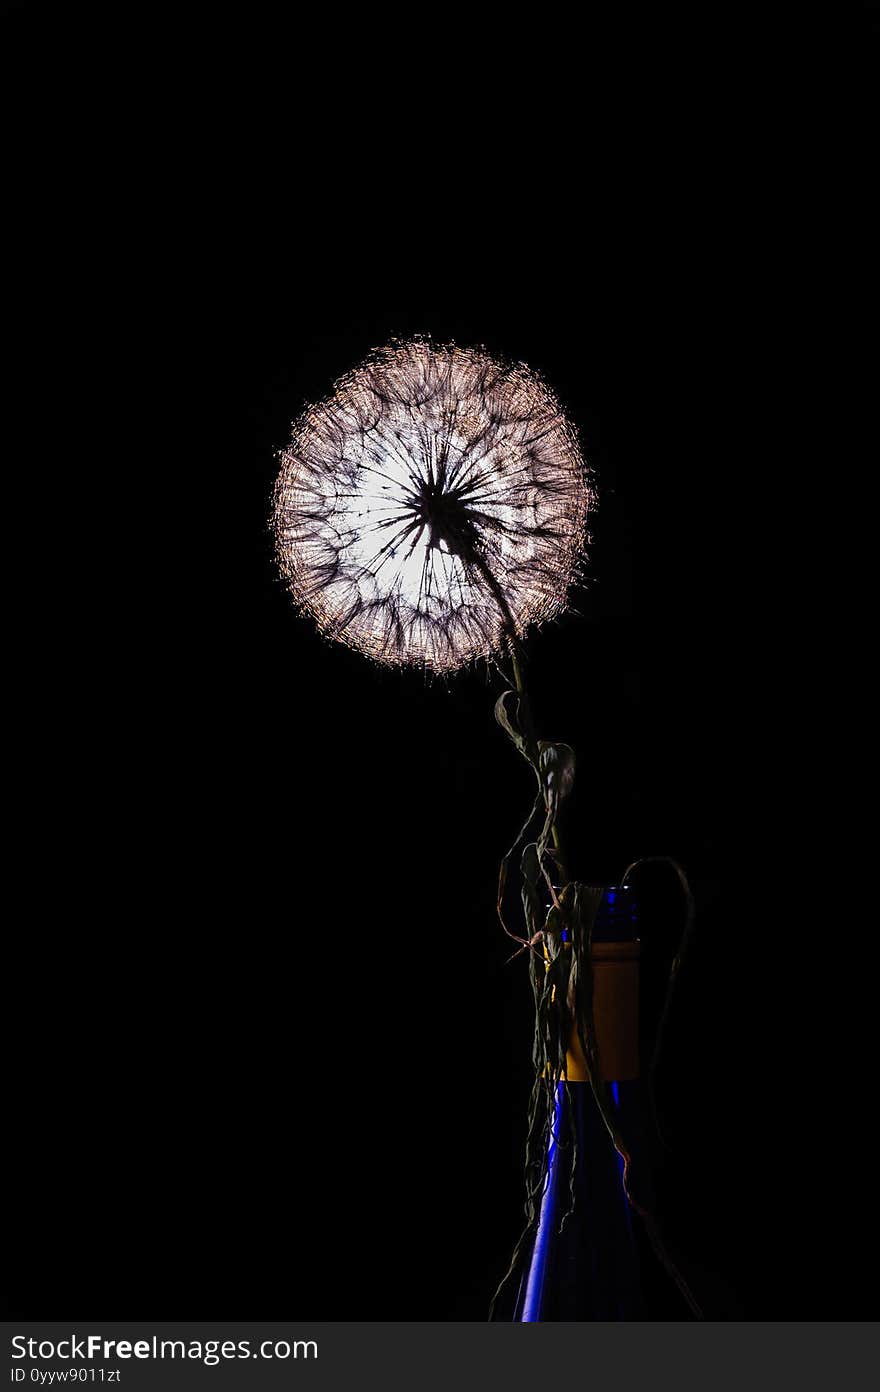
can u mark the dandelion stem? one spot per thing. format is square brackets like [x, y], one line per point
[518, 662]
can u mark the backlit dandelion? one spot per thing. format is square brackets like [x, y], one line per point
[436, 501]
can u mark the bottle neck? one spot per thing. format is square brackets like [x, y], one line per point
[615, 968]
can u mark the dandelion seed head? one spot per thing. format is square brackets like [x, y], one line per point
[437, 498]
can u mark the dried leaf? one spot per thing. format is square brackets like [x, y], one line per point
[556, 763]
[507, 715]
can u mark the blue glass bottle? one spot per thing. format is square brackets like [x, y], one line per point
[587, 1260]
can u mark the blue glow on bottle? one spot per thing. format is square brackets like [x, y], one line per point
[584, 1263]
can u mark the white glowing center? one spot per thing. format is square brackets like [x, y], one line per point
[392, 556]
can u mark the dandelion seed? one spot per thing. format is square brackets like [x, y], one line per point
[436, 500]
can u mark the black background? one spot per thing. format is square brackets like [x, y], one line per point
[269, 1059]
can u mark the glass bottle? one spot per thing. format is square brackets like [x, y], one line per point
[591, 1257]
